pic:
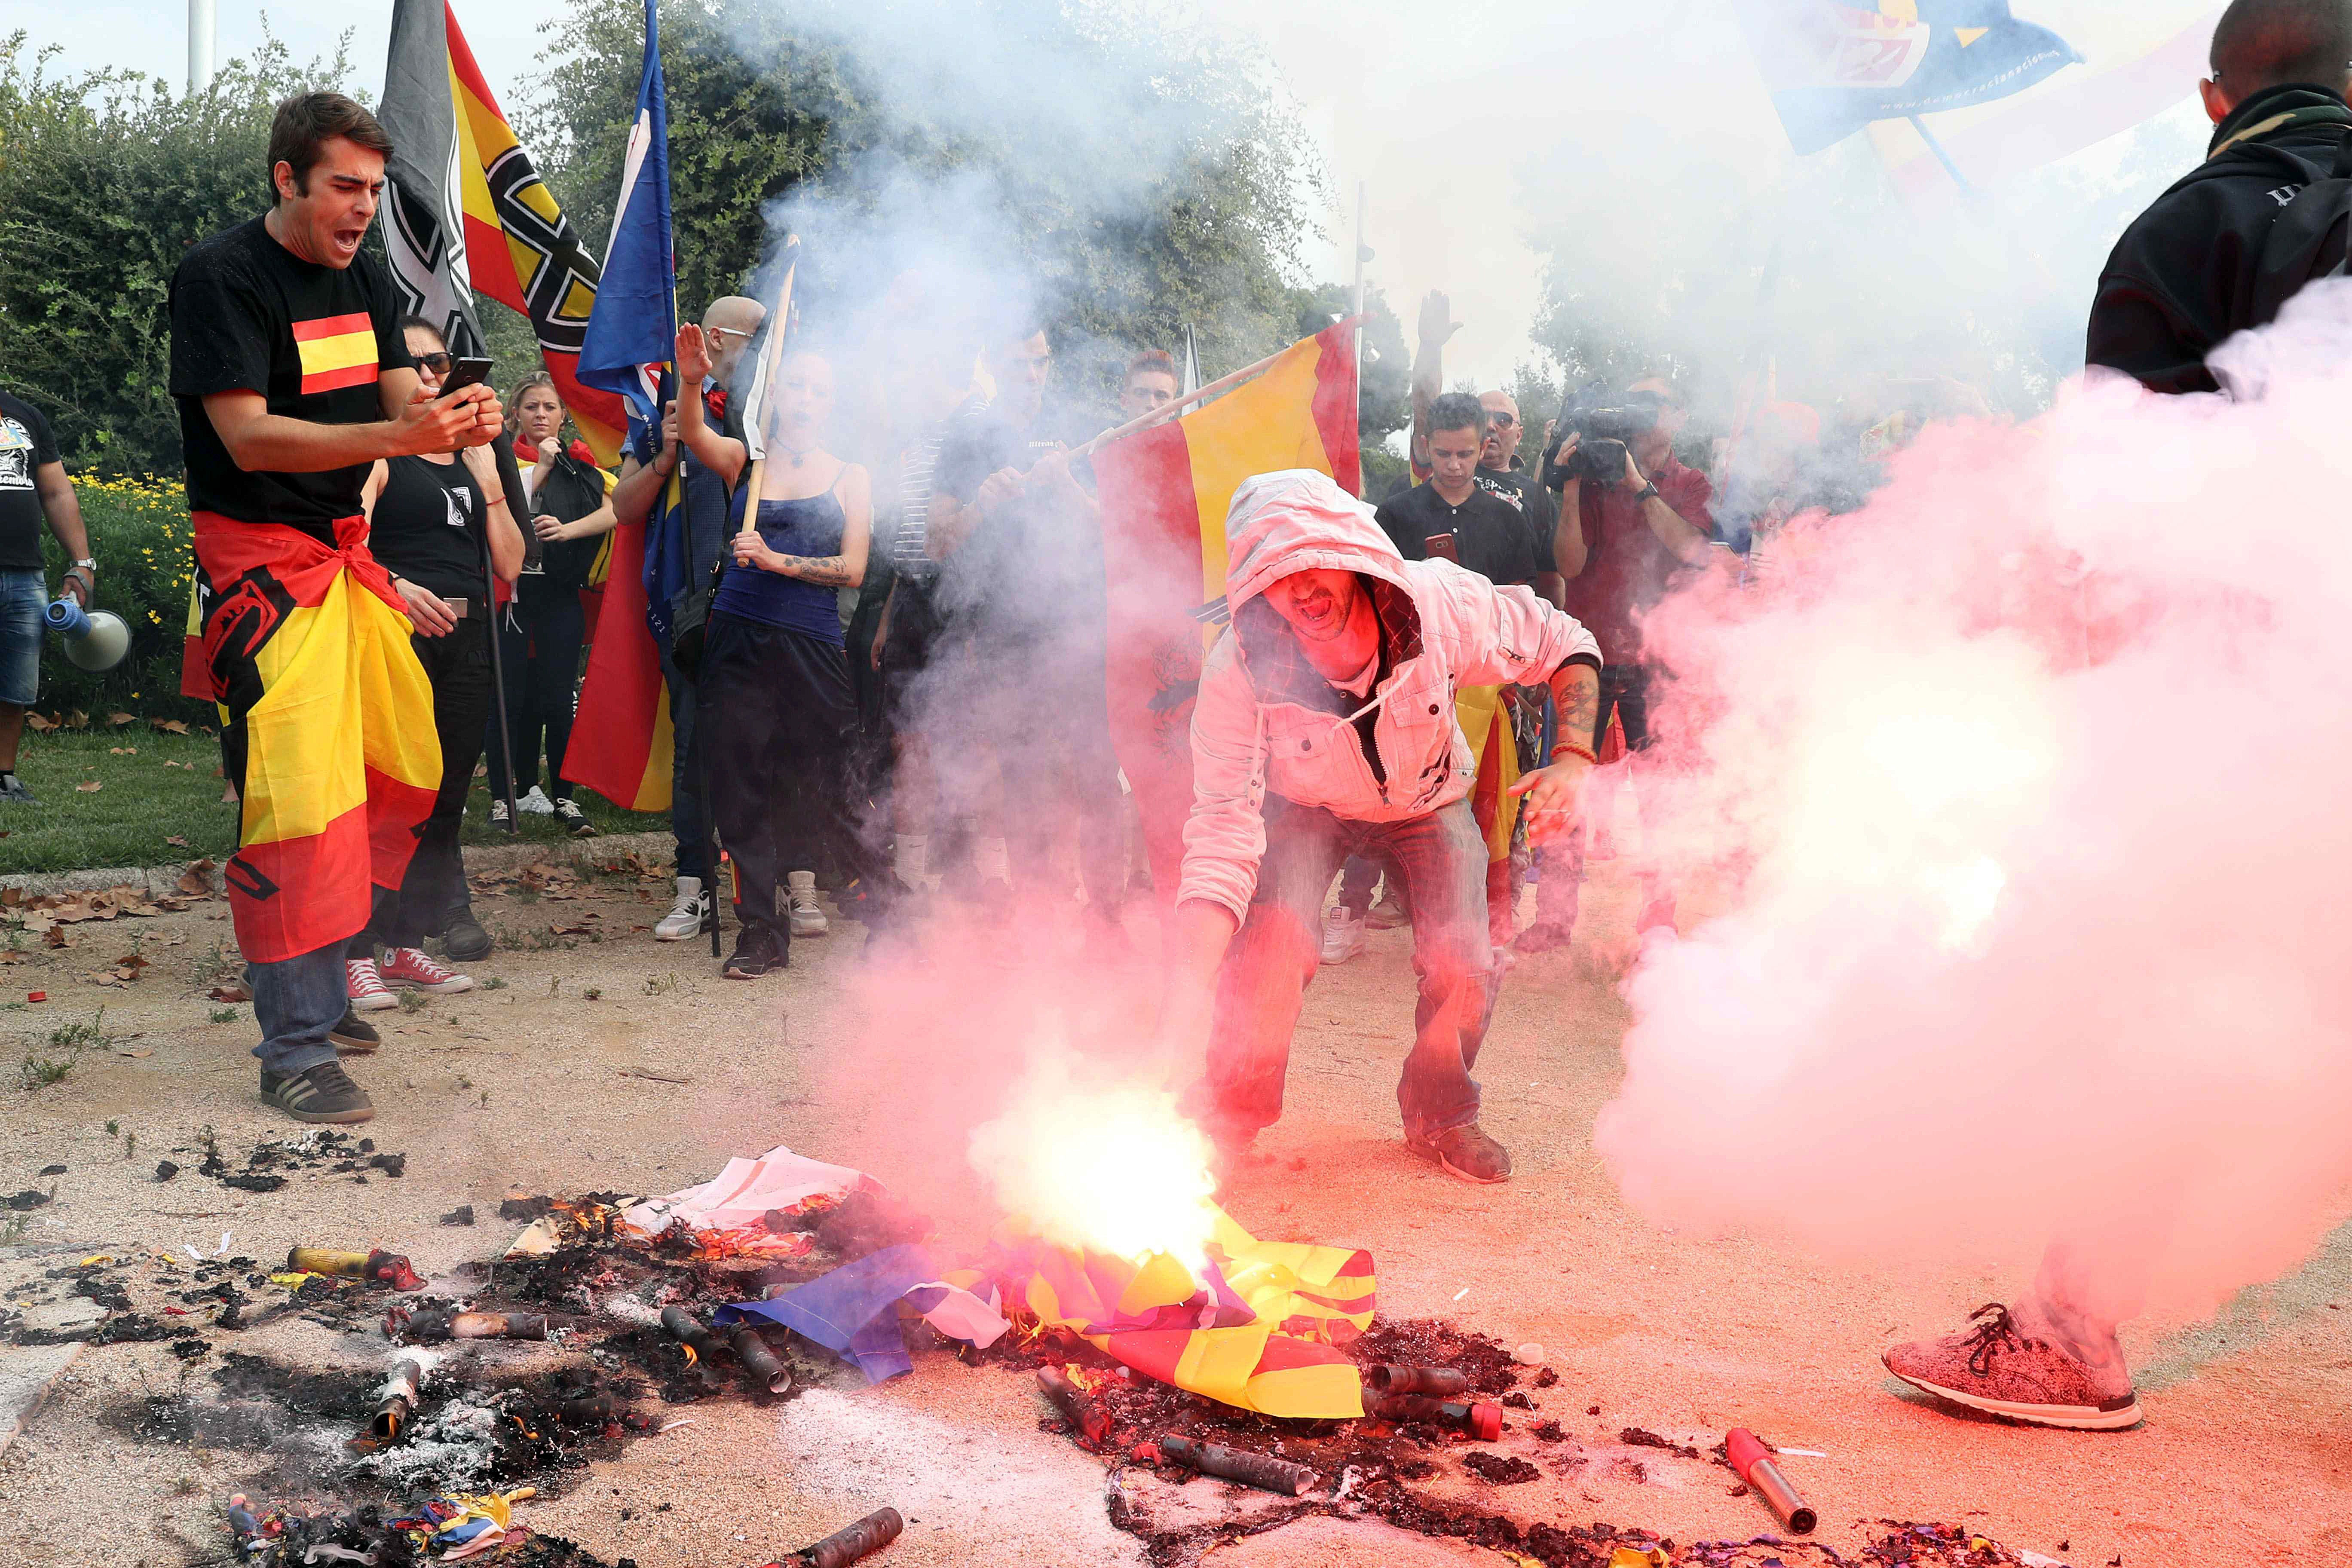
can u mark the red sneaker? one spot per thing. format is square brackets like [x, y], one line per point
[363, 987]
[409, 969]
[2019, 1366]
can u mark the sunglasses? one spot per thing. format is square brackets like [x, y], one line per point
[728, 332]
[1501, 420]
[438, 364]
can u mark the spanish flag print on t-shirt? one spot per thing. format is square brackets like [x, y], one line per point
[337, 351]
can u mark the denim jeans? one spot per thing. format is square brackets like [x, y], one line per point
[1442, 859]
[24, 599]
[297, 1001]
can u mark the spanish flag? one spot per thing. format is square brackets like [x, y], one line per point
[1259, 1328]
[336, 352]
[329, 728]
[1164, 491]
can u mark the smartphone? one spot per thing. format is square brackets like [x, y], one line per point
[1440, 547]
[464, 371]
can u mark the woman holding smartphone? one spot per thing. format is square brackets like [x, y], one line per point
[543, 630]
[429, 519]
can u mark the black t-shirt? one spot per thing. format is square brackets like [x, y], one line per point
[249, 315]
[1518, 490]
[1035, 567]
[1490, 535]
[427, 525]
[26, 445]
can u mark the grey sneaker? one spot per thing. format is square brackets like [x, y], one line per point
[568, 812]
[806, 914]
[322, 1093]
[1391, 912]
[13, 793]
[2020, 1366]
[1343, 934]
[1464, 1151]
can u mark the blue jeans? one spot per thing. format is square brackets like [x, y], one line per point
[24, 598]
[1442, 859]
[297, 1001]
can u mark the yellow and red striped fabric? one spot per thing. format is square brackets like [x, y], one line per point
[521, 252]
[1164, 492]
[336, 350]
[1260, 1331]
[329, 728]
[1486, 723]
[621, 739]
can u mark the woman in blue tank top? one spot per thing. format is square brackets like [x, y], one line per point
[774, 680]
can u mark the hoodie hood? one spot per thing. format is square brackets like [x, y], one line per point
[1296, 519]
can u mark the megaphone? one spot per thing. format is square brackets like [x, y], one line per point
[96, 640]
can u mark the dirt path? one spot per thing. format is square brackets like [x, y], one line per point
[558, 1082]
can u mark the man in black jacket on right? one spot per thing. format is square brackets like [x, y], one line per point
[2181, 279]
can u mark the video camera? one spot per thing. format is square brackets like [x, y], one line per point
[1603, 430]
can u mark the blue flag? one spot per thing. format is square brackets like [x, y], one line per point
[633, 328]
[1834, 65]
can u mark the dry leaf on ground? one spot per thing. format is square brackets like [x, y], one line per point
[88, 786]
[170, 726]
[229, 993]
[119, 720]
[40, 725]
[176, 842]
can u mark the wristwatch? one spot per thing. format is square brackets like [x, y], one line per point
[88, 563]
[1644, 493]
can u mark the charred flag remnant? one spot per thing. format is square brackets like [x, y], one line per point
[1834, 67]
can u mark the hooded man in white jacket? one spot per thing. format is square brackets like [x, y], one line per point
[1325, 728]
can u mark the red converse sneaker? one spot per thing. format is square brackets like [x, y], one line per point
[363, 987]
[409, 969]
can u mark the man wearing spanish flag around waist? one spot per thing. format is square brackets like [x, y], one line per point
[291, 378]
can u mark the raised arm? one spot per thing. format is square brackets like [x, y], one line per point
[722, 455]
[1437, 324]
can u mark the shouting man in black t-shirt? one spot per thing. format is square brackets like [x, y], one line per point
[33, 486]
[292, 380]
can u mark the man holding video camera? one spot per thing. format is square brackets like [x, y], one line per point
[1633, 519]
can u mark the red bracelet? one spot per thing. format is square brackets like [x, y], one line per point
[1574, 750]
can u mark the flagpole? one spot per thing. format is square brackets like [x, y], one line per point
[1360, 255]
[1942, 156]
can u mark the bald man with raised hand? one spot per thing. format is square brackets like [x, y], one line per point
[728, 327]
[2183, 277]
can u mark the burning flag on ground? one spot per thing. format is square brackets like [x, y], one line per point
[1257, 1325]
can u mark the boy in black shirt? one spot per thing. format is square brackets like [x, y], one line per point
[33, 487]
[1479, 530]
[292, 379]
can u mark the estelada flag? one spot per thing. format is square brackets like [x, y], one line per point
[327, 730]
[468, 213]
[1164, 491]
[621, 739]
[1259, 1327]
[1833, 67]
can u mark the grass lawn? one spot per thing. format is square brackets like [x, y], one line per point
[155, 787]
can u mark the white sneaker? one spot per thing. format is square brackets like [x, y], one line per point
[535, 804]
[364, 988]
[808, 919]
[410, 969]
[499, 811]
[1343, 934]
[686, 916]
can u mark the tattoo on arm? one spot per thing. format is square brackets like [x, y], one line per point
[1580, 703]
[827, 573]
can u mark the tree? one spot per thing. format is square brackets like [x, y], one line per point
[1187, 205]
[107, 178]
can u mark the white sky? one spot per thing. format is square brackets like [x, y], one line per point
[1452, 114]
